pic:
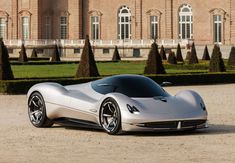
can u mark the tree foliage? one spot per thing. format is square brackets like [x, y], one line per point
[172, 58]
[154, 63]
[231, 60]
[206, 55]
[179, 56]
[216, 62]
[5, 67]
[23, 55]
[116, 56]
[193, 56]
[55, 54]
[87, 66]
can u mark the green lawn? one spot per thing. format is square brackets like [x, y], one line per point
[108, 68]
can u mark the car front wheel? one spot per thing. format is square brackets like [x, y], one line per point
[110, 116]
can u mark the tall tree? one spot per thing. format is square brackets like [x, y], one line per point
[87, 66]
[216, 62]
[5, 67]
[193, 56]
[23, 55]
[206, 55]
[179, 56]
[56, 54]
[154, 63]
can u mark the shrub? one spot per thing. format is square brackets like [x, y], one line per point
[154, 63]
[34, 53]
[116, 56]
[87, 66]
[193, 56]
[216, 62]
[23, 55]
[231, 60]
[179, 56]
[172, 58]
[163, 53]
[5, 67]
[206, 55]
[55, 55]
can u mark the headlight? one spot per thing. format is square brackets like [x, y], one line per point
[132, 109]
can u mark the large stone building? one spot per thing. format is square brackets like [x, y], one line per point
[204, 21]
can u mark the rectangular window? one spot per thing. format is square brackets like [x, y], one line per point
[153, 27]
[63, 27]
[217, 28]
[76, 51]
[95, 28]
[2, 27]
[25, 27]
[105, 51]
[47, 27]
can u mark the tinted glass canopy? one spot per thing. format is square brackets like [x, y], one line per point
[130, 85]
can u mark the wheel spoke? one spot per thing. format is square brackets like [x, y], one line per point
[107, 115]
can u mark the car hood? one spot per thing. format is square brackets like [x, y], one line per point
[165, 105]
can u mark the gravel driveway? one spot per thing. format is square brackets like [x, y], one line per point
[21, 142]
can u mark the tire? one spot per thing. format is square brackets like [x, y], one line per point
[110, 116]
[37, 111]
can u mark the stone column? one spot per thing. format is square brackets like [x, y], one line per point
[137, 21]
[169, 19]
[14, 20]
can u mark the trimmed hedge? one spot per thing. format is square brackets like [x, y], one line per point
[22, 86]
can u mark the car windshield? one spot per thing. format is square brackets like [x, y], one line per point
[131, 86]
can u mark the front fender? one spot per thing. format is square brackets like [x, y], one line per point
[191, 97]
[122, 101]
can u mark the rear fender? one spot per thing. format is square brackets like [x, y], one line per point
[51, 92]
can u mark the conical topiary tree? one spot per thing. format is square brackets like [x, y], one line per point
[87, 66]
[179, 56]
[116, 56]
[154, 63]
[188, 55]
[216, 62]
[5, 67]
[193, 56]
[172, 58]
[163, 53]
[206, 55]
[23, 55]
[231, 60]
[56, 54]
[34, 53]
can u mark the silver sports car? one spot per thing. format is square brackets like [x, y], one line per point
[118, 103]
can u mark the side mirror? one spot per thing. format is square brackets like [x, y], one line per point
[166, 84]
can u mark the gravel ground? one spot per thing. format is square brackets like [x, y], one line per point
[21, 142]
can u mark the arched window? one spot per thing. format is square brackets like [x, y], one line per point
[124, 23]
[217, 28]
[25, 27]
[154, 27]
[63, 27]
[186, 22]
[47, 27]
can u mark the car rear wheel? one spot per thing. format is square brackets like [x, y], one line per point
[110, 116]
[37, 111]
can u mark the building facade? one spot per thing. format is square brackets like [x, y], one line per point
[204, 21]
